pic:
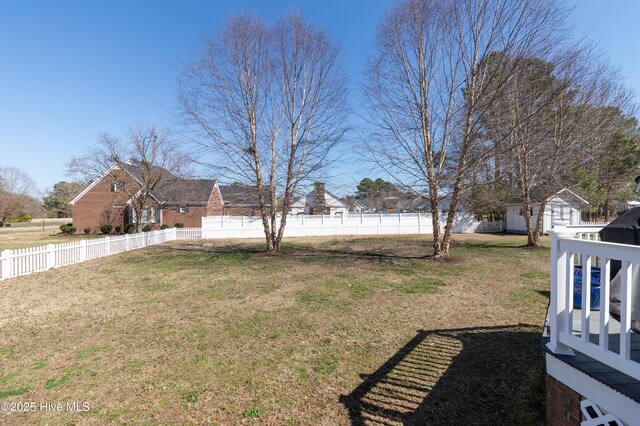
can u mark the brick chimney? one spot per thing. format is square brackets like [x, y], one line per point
[319, 200]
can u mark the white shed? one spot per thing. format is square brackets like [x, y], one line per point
[564, 205]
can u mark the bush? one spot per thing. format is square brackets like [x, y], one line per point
[179, 225]
[165, 226]
[130, 228]
[118, 230]
[20, 217]
[87, 231]
[106, 229]
[147, 228]
[67, 228]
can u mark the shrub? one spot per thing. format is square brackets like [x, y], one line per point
[67, 228]
[130, 228]
[118, 230]
[106, 229]
[20, 217]
[87, 231]
[165, 226]
[179, 225]
[147, 228]
[8, 225]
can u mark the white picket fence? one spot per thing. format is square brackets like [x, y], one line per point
[352, 224]
[26, 261]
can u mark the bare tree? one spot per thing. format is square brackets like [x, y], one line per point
[427, 91]
[145, 161]
[16, 189]
[546, 123]
[268, 103]
[16, 181]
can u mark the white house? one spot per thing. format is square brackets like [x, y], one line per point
[565, 205]
[319, 201]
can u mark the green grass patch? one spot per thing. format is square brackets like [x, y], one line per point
[13, 392]
[8, 377]
[252, 412]
[39, 365]
[67, 374]
[421, 285]
[89, 352]
[536, 275]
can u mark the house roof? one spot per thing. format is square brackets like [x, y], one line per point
[537, 195]
[241, 195]
[191, 192]
[309, 199]
[171, 190]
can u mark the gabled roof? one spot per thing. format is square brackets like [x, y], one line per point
[308, 200]
[172, 190]
[190, 192]
[242, 195]
[537, 194]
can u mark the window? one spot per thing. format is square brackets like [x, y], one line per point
[117, 186]
[150, 215]
[183, 209]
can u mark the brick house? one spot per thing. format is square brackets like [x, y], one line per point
[107, 200]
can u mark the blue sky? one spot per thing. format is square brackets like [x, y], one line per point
[70, 70]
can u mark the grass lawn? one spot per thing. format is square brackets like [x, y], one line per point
[20, 237]
[341, 330]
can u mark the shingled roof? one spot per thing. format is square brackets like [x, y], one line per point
[173, 190]
[241, 195]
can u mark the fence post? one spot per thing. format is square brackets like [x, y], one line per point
[558, 300]
[126, 242]
[419, 222]
[5, 258]
[83, 250]
[107, 240]
[51, 256]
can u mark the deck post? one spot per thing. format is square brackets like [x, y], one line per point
[558, 303]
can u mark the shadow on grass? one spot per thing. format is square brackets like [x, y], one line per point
[483, 375]
[545, 293]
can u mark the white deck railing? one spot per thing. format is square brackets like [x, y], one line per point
[28, 260]
[595, 334]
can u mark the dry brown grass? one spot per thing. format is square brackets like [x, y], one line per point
[339, 331]
[15, 238]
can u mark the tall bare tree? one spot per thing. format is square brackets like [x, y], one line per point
[268, 103]
[151, 157]
[546, 123]
[16, 181]
[16, 194]
[427, 91]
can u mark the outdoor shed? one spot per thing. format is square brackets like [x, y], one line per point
[564, 205]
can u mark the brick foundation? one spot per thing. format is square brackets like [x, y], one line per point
[563, 404]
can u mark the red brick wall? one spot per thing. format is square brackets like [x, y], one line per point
[193, 219]
[563, 404]
[215, 207]
[95, 208]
